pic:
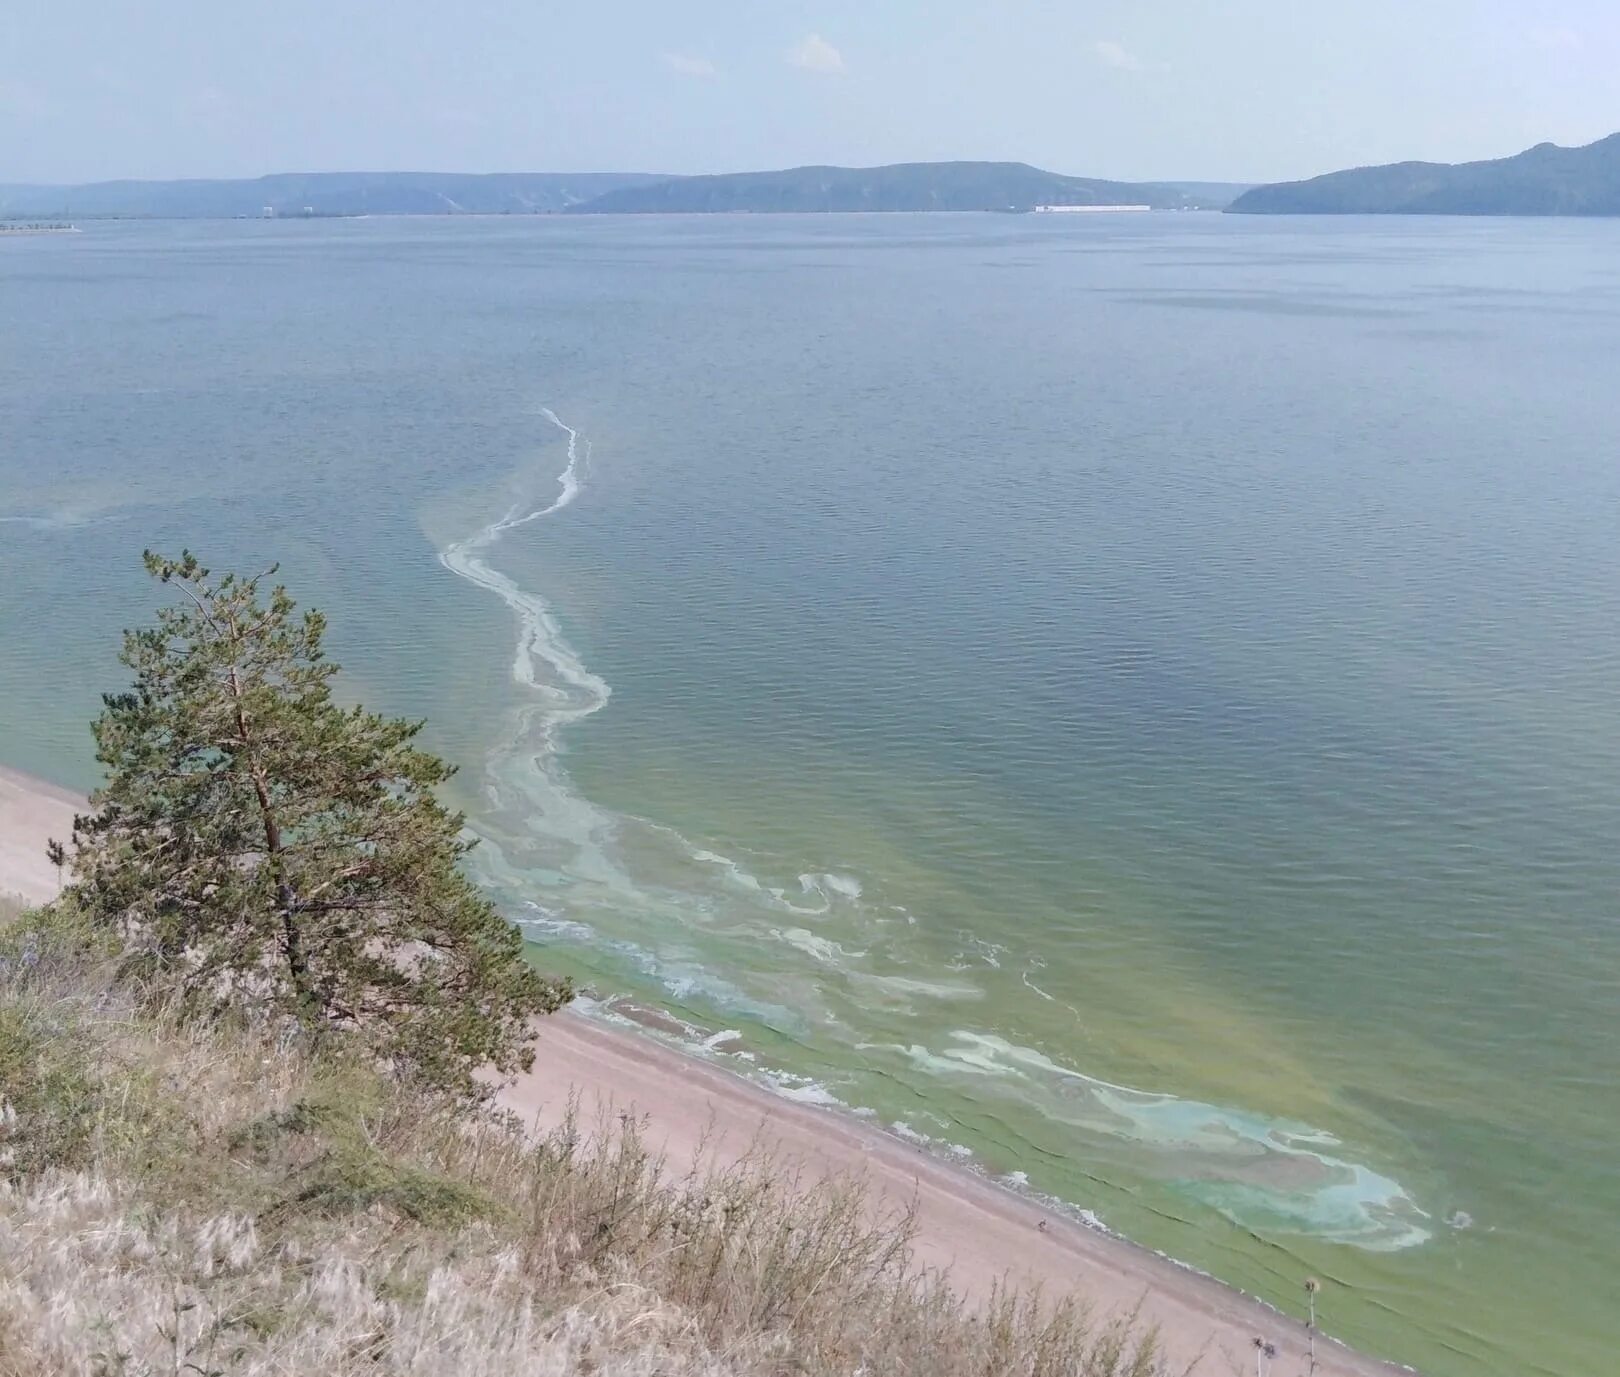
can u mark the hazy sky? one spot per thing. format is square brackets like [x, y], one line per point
[1220, 89]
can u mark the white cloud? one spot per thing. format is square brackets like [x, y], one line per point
[1116, 55]
[690, 65]
[814, 54]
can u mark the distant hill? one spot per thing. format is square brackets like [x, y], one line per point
[1544, 180]
[323, 193]
[1211, 195]
[905, 186]
[899, 187]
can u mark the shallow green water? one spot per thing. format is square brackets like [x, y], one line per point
[1132, 703]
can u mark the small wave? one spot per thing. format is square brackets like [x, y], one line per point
[56, 521]
[733, 872]
[696, 1041]
[826, 885]
[831, 884]
[803, 1090]
[544, 922]
[1031, 985]
[822, 949]
[905, 987]
[976, 949]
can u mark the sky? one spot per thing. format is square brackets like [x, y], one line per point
[1241, 90]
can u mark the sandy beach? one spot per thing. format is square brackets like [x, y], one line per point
[975, 1228]
[32, 812]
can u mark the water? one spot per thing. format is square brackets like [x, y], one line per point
[1130, 702]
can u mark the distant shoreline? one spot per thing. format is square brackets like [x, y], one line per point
[983, 1232]
[1031, 211]
[895, 187]
[1546, 181]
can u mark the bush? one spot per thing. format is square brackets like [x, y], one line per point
[48, 1098]
[50, 1105]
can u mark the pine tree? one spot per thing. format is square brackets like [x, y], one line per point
[56, 854]
[263, 850]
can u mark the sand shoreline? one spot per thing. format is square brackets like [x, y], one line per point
[979, 1230]
[32, 812]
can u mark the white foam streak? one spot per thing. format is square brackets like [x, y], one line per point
[540, 639]
[1250, 1167]
[541, 834]
[527, 765]
[614, 867]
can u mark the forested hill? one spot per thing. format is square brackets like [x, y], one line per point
[904, 186]
[1544, 180]
[322, 193]
[899, 187]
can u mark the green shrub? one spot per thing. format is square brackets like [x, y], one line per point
[346, 1182]
[49, 1100]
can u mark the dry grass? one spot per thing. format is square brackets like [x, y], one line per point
[189, 1201]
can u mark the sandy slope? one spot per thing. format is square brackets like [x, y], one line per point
[977, 1230]
[31, 813]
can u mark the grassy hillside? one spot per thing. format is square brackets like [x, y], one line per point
[182, 1199]
[1544, 180]
[960, 186]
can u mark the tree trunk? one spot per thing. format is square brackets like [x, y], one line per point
[292, 939]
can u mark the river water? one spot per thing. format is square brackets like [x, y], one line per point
[1131, 703]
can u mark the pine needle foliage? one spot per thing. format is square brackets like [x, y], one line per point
[265, 852]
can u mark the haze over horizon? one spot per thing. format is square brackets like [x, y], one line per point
[93, 90]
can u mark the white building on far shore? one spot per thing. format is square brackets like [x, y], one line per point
[1084, 210]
